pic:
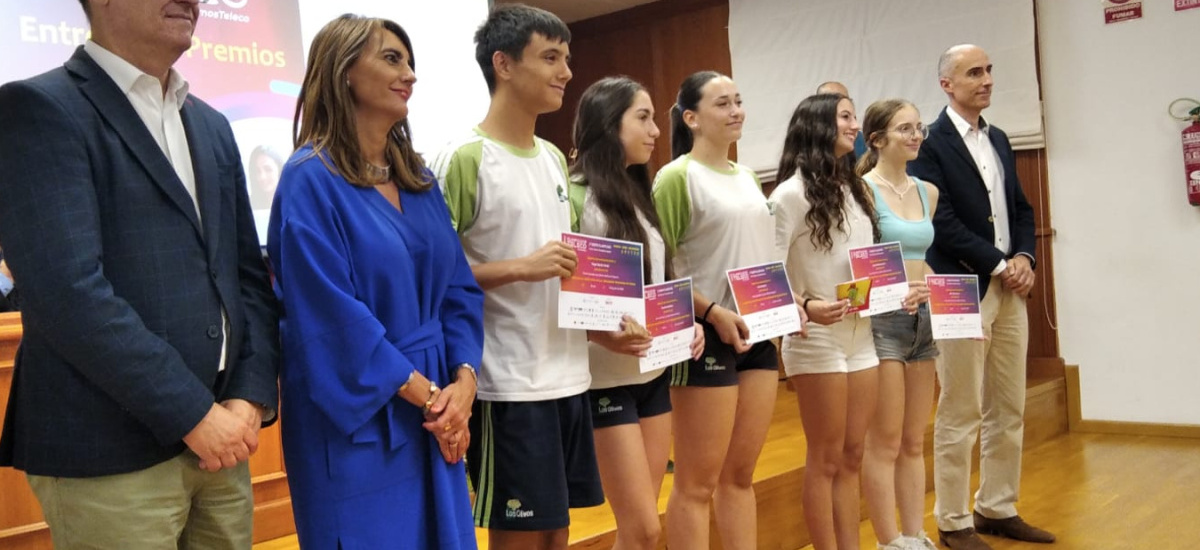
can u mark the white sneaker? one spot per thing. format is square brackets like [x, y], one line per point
[920, 541]
[900, 543]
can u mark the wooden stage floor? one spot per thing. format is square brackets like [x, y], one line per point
[1077, 485]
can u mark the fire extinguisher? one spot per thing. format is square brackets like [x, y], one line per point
[1191, 157]
[1191, 152]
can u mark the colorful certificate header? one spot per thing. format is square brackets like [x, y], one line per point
[607, 267]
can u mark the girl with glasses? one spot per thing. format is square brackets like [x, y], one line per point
[894, 463]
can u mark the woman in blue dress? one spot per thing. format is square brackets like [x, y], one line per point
[383, 321]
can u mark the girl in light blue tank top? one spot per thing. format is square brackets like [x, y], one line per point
[916, 235]
[903, 339]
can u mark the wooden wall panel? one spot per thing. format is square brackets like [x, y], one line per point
[1043, 316]
[20, 514]
[21, 525]
[657, 44]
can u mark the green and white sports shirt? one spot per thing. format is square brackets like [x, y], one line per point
[715, 220]
[506, 203]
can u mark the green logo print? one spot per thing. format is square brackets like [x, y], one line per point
[606, 406]
[514, 510]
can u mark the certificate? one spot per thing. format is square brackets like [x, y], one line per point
[607, 284]
[884, 264]
[764, 300]
[954, 306]
[670, 320]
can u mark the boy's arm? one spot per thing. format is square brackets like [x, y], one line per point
[459, 173]
[553, 259]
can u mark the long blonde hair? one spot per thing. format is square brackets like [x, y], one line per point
[325, 109]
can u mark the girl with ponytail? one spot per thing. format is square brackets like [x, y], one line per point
[714, 218]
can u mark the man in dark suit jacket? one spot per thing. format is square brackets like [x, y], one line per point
[983, 226]
[150, 351]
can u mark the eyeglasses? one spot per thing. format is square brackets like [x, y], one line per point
[908, 131]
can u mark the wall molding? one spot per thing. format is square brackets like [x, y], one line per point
[1077, 423]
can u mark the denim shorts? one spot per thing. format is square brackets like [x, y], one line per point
[903, 337]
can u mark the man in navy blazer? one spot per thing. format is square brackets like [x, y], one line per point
[983, 226]
[150, 350]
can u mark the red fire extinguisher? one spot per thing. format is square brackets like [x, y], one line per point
[1191, 157]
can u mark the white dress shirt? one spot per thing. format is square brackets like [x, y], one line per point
[160, 112]
[987, 160]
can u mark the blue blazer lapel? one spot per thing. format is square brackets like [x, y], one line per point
[116, 110]
[957, 144]
[207, 173]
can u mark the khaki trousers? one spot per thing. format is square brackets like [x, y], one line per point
[983, 393]
[173, 504]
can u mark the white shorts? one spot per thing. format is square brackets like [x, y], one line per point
[844, 347]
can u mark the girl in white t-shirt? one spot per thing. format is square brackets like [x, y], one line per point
[821, 210]
[715, 218]
[610, 192]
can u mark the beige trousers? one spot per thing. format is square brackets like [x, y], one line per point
[983, 393]
[173, 504]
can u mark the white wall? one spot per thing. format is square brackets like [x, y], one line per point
[451, 96]
[782, 49]
[1127, 252]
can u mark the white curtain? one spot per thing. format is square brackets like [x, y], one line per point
[783, 49]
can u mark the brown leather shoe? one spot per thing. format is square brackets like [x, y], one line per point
[963, 539]
[1013, 528]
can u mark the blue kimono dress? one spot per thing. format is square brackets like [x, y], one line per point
[369, 294]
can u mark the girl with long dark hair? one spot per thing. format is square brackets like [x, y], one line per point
[610, 189]
[821, 210]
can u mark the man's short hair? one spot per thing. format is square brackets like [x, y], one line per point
[508, 29]
[949, 59]
[824, 88]
[87, 10]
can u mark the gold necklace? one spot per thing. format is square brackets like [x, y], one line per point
[892, 186]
